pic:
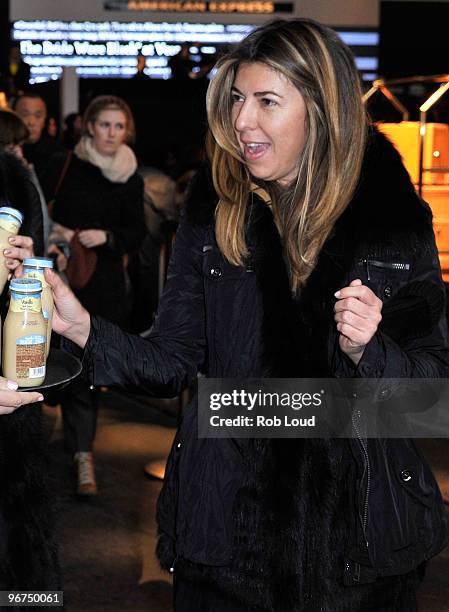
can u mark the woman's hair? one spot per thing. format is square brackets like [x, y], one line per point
[13, 131]
[322, 68]
[102, 103]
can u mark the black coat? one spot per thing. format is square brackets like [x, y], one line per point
[41, 154]
[280, 524]
[28, 512]
[88, 200]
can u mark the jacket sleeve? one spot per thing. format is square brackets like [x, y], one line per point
[412, 339]
[165, 361]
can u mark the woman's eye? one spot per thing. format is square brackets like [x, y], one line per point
[120, 126]
[235, 97]
[268, 102]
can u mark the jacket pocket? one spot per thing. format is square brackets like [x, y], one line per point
[210, 477]
[420, 504]
[384, 277]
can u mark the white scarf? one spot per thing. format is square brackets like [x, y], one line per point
[117, 168]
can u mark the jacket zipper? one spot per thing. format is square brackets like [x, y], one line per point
[368, 478]
[173, 565]
[386, 265]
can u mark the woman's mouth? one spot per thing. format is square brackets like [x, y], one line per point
[254, 150]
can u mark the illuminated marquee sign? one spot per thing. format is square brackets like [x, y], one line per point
[109, 48]
[246, 7]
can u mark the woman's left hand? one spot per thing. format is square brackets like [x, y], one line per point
[20, 248]
[11, 399]
[92, 237]
[357, 314]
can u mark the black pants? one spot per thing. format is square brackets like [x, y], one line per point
[79, 412]
[190, 597]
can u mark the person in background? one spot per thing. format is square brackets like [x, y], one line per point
[161, 219]
[16, 75]
[39, 146]
[141, 65]
[303, 252]
[98, 210]
[73, 126]
[19, 185]
[181, 65]
[52, 127]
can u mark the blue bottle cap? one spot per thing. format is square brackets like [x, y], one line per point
[25, 285]
[6, 210]
[38, 262]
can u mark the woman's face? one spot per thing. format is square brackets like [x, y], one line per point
[269, 118]
[108, 131]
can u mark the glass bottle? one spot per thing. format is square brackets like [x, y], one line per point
[33, 267]
[24, 334]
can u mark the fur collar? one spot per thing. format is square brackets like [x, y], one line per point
[385, 198]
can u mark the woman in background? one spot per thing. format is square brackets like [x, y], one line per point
[98, 210]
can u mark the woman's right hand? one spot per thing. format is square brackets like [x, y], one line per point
[10, 399]
[70, 318]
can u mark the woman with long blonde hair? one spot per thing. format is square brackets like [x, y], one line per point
[303, 252]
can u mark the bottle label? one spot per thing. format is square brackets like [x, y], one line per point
[45, 313]
[23, 303]
[36, 274]
[9, 224]
[30, 356]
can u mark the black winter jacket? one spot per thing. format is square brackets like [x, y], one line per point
[279, 524]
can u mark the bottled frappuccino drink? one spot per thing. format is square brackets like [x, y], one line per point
[24, 334]
[34, 267]
[10, 222]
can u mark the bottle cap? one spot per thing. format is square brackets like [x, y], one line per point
[38, 262]
[6, 210]
[25, 285]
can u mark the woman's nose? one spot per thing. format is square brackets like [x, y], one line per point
[246, 118]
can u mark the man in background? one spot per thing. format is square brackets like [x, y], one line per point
[40, 147]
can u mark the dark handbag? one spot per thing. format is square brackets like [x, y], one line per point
[81, 264]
